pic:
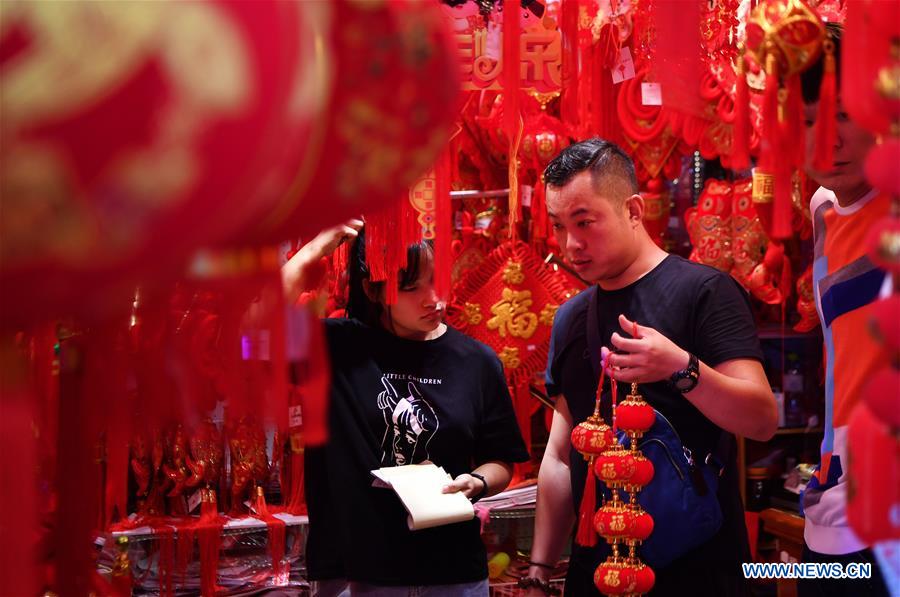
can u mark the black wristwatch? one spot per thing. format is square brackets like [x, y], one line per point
[686, 380]
[484, 488]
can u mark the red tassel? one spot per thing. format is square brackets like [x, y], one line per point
[794, 141]
[276, 528]
[209, 535]
[184, 550]
[826, 118]
[771, 128]
[740, 145]
[166, 564]
[586, 536]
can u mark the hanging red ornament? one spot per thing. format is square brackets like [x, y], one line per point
[881, 166]
[785, 36]
[884, 244]
[634, 415]
[615, 578]
[644, 578]
[885, 323]
[873, 493]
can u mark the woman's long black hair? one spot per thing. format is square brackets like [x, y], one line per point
[359, 305]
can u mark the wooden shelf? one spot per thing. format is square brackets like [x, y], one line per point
[775, 333]
[800, 431]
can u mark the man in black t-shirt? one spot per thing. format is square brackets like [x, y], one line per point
[684, 331]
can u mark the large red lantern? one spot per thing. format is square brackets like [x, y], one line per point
[132, 134]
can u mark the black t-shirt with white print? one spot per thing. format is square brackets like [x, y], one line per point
[396, 402]
[707, 313]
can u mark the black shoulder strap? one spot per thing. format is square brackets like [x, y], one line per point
[593, 331]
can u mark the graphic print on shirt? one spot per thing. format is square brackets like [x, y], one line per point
[410, 424]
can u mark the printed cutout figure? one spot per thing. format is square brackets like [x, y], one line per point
[411, 423]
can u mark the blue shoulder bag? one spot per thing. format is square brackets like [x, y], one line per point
[681, 498]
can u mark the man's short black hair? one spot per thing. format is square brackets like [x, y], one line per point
[811, 78]
[600, 156]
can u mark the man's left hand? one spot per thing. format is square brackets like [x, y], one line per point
[647, 356]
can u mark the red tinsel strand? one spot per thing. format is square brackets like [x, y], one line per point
[740, 148]
[795, 133]
[443, 258]
[512, 119]
[19, 504]
[165, 535]
[826, 117]
[585, 535]
[539, 219]
[569, 39]
[209, 536]
[184, 551]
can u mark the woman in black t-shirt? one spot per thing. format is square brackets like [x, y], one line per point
[405, 389]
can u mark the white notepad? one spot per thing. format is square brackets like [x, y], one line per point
[419, 487]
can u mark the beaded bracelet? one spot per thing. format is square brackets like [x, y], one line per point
[527, 582]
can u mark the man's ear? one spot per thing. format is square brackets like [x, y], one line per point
[634, 207]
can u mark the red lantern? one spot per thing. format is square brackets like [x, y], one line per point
[200, 123]
[614, 467]
[884, 327]
[643, 473]
[873, 493]
[644, 579]
[881, 395]
[881, 166]
[613, 521]
[615, 578]
[867, 79]
[641, 525]
[634, 415]
[884, 244]
[592, 437]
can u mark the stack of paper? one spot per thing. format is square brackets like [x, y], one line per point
[521, 496]
[420, 488]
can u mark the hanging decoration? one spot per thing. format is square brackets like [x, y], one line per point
[508, 302]
[618, 522]
[783, 38]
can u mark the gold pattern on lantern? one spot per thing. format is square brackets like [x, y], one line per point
[617, 523]
[511, 314]
[513, 274]
[509, 356]
[608, 470]
[612, 578]
[472, 313]
[548, 313]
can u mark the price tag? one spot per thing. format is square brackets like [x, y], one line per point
[624, 67]
[651, 94]
[295, 416]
